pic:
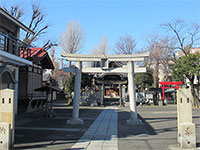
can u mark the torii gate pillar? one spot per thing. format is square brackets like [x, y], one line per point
[75, 117]
[132, 95]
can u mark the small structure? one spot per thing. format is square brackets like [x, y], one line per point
[111, 85]
[165, 85]
[152, 95]
[30, 78]
[50, 96]
[104, 68]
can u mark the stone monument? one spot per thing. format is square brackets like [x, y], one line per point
[186, 129]
[7, 111]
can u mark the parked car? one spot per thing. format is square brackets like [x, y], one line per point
[139, 99]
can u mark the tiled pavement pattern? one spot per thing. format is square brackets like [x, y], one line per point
[102, 134]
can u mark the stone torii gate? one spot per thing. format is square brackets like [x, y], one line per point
[104, 63]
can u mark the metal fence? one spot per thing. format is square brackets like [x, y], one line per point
[12, 45]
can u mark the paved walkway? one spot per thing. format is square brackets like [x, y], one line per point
[102, 134]
[104, 128]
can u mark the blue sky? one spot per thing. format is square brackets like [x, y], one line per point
[113, 18]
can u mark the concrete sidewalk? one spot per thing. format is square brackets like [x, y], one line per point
[102, 134]
[104, 128]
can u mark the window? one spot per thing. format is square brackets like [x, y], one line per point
[39, 71]
[35, 70]
[30, 69]
[2, 42]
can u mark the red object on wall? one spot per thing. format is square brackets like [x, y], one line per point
[169, 83]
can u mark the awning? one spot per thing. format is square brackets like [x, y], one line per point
[13, 59]
[170, 90]
[48, 88]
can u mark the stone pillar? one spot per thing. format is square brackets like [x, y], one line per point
[75, 118]
[186, 129]
[7, 112]
[132, 95]
[124, 93]
[5, 143]
[120, 94]
[102, 93]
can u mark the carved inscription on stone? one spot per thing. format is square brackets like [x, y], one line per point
[188, 131]
[2, 130]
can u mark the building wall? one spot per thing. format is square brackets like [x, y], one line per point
[8, 25]
[22, 85]
[34, 82]
[162, 75]
[30, 79]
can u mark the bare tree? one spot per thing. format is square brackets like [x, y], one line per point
[62, 77]
[36, 24]
[101, 47]
[53, 72]
[71, 40]
[125, 45]
[58, 74]
[15, 11]
[160, 56]
[185, 35]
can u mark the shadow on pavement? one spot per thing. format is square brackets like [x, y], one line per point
[198, 145]
[36, 146]
[125, 130]
[144, 129]
[33, 130]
